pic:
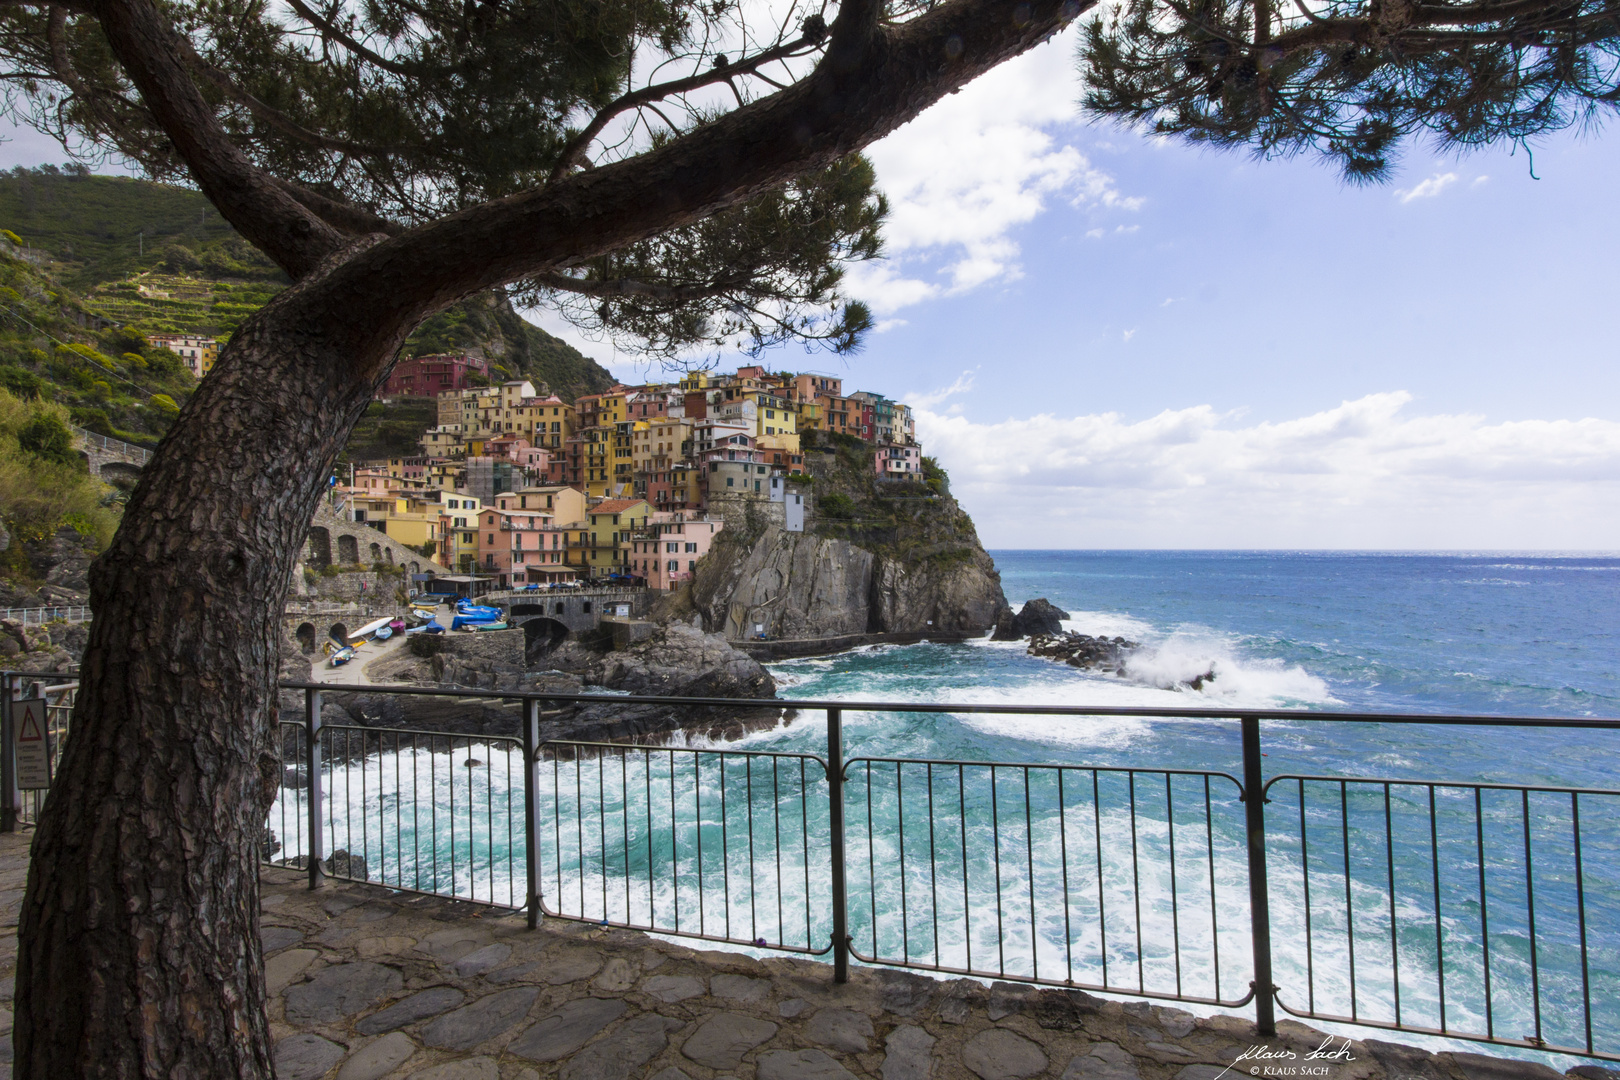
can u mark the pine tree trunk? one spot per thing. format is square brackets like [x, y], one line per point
[139, 932]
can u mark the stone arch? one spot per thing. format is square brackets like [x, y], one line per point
[115, 472]
[558, 610]
[416, 568]
[586, 607]
[320, 547]
[348, 550]
[376, 553]
[540, 637]
[338, 633]
[306, 636]
[388, 553]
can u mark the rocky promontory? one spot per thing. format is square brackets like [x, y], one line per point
[874, 557]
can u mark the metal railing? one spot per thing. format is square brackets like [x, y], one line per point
[1477, 911]
[39, 616]
[123, 449]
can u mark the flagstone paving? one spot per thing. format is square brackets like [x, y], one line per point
[367, 984]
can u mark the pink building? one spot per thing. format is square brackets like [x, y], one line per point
[898, 462]
[429, 376]
[511, 542]
[667, 552]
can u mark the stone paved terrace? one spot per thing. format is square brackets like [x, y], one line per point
[368, 984]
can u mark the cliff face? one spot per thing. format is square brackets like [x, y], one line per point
[874, 558]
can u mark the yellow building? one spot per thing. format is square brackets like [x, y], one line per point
[458, 531]
[199, 353]
[608, 528]
[564, 504]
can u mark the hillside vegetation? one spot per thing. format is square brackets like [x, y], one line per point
[154, 258]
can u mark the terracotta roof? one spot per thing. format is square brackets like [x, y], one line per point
[614, 506]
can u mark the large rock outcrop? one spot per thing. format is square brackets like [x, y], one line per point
[1037, 617]
[793, 586]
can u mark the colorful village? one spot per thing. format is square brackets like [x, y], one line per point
[521, 489]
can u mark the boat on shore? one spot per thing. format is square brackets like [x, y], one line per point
[342, 656]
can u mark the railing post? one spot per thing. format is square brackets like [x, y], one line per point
[312, 732]
[1265, 1017]
[835, 822]
[531, 806]
[9, 801]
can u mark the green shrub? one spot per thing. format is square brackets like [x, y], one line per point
[47, 438]
[836, 505]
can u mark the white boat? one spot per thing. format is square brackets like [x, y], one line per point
[370, 628]
[383, 633]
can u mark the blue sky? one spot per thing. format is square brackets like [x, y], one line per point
[1115, 341]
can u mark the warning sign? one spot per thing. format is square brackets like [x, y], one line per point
[33, 745]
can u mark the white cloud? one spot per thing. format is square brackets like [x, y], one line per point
[973, 168]
[963, 383]
[885, 325]
[1366, 474]
[1128, 334]
[1427, 189]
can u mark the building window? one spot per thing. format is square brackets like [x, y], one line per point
[690, 548]
[674, 565]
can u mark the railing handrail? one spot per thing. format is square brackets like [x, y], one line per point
[1195, 712]
[129, 450]
[38, 613]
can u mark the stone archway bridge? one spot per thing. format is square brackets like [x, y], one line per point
[110, 459]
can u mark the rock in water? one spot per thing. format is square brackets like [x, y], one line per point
[681, 661]
[1038, 617]
[1083, 650]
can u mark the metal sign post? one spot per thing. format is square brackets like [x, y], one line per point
[33, 744]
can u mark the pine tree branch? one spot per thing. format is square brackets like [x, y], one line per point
[577, 145]
[152, 54]
[630, 287]
[331, 30]
[273, 116]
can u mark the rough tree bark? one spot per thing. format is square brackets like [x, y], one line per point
[140, 950]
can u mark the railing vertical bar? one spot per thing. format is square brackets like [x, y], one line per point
[1580, 908]
[1484, 915]
[365, 818]
[1136, 886]
[601, 825]
[804, 848]
[1349, 905]
[1394, 937]
[312, 727]
[450, 765]
[835, 834]
[624, 818]
[871, 860]
[961, 817]
[1063, 858]
[531, 809]
[900, 833]
[556, 819]
[652, 891]
[1214, 919]
[697, 812]
[725, 848]
[1305, 876]
[995, 840]
[675, 851]
[748, 790]
[416, 813]
[1029, 869]
[1175, 904]
[1254, 800]
[933, 866]
[1530, 908]
[1439, 941]
[1102, 911]
[776, 840]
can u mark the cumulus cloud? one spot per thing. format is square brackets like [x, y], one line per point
[1427, 189]
[971, 169]
[1368, 473]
